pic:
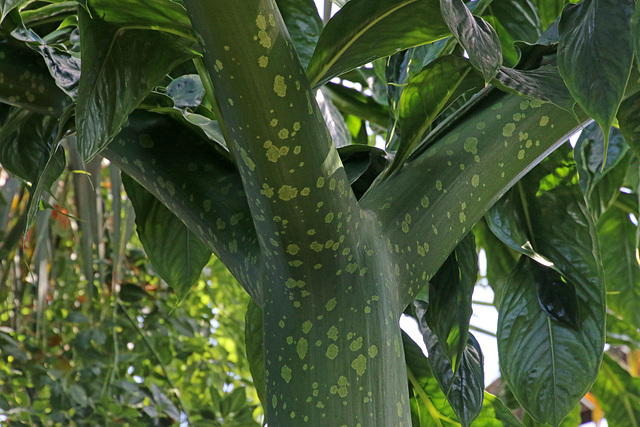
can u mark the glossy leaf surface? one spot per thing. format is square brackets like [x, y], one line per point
[519, 17]
[595, 54]
[177, 254]
[548, 364]
[365, 30]
[7, 6]
[120, 68]
[426, 95]
[304, 25]
[477, 37]
[255, 349]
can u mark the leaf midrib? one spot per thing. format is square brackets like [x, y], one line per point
[358, 34]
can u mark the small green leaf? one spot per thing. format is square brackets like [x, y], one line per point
[477, 37]
[595, 55]
[600, 183]
[363, 164]
[519, 17]
[304, 26]
[120, 66]
[7, 6]
[426, 95]
[543, 83]
[365, 30]
[255, 350]
[177, 254]
[186, 91]
[333, 119]
[557, 296]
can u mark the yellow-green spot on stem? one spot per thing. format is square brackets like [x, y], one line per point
[480, 125]
[399, 406]
[261, 22]
[287, 192]
[306, 326]
[279, 86]
[305, 191]
[356, 344]
[267, 191]
[517, 117]
[373, 351]
[544, 120]
[286, 373]
[463, 217]
[145, 140]
[331, 304]
[332, 351]
[219, 64]
[274, 122]
[289, 340]
[405, 227]
[281, 323]
[424, 202]
[329, 217]
[302, 347]
[283, 134]
[296, 126]
[471, 145]
[263, 61]
[521, 154]
[475, 180]
[297, 149]
[508, 129]
[320, 182]
[247, 160]
[438, 185]
[359, 364]
[293, 283]
[206, 205]
[333, 333]
[274, 401]
[293, 249]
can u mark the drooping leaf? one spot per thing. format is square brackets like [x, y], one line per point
[363, 164]
[177, 254]
[619, 257]
[618, 393]
[600, 183]
[365, 30]
[595, 54]
[255, 349]
[454, 355]
[120, 67]
[477, 37]
[426, 95]
[543, 83]
[304, 26]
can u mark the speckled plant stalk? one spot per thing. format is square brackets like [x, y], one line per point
[334, 273]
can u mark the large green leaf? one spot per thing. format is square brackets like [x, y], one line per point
[304, 26]
[619, 257]
[426, 95]
[550, 364]
[197, 182]
[177, 254]
[477, 37]
[119, 67]
[618, 394]
[600, 182]
[549, 10]
[454, 355]
[595, 54]
[365, 30]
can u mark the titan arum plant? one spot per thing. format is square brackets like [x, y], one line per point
[237, 134]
